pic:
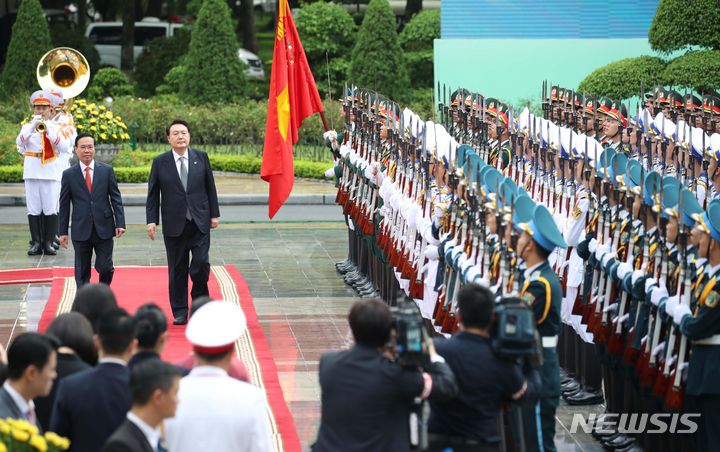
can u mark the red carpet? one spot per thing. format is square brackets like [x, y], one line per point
[136, 285]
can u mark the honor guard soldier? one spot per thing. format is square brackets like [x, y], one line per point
[41, 144]
[542, 291]
[702, 327]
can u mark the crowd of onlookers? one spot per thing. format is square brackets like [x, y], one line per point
[96, 377]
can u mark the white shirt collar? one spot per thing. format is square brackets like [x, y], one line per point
[91, 165]
[112, 360]
[177, 156]
[23, 405]
[151, 434]
[208, 371]
[531, 270]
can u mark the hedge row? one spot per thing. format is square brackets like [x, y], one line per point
[233, 164]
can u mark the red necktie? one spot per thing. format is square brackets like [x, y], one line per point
[88, 181]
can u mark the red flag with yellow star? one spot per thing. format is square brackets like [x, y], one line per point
[293, 97]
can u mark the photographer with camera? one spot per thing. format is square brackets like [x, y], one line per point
[486, 380]
[367, 395]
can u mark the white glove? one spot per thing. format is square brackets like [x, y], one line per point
[680, 312]
[330, 134]
[637, 274]
[592, 246]
[438, 212]
[623, 270]
[658, 294]
[671, 304]
[601, 250]
[472, 274]
[482, 281]
[649, 283]
[606, 257]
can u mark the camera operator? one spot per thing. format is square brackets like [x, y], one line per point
[367, 396]
[469, 422]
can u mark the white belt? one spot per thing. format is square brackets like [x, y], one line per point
[549, 341]
[712, 340]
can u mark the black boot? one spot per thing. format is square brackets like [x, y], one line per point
[50, 227]
[36, 237]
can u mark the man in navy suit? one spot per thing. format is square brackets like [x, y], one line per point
[97, 212]
[91, 405]
[181, 181]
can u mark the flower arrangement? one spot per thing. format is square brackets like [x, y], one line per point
[18, 435]
[105, 127]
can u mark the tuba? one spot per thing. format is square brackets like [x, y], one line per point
[64, 69]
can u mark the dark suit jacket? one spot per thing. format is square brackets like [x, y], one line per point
[8, 408]
[67, 364]
[91, 405]
[102, 208]
[166, 190]
[128, 438]
[366, 400]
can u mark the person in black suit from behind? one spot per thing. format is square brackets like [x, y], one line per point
[76, 350]
[182, 186]
[151, 333]
[365, 397]
[154, 387]
[31, 371]
[91, 405]
[91, 189]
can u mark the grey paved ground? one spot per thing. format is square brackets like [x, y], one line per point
[301, 302]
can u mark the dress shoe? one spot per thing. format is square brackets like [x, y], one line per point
[602, 431]
[571, 386]
[571, 393]
[180, 320]
[633, 447]
[585, 398]
[620, 441]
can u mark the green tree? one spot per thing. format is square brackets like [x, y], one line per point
[109, 82]
[326, 27]
[214, 72]
[621, 79]
[680, 24]
[377, 59]
[156, 60]
[695, 70]
[29, 41]
[416, 39]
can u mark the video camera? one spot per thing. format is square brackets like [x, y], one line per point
[410, 336]
[514, 335]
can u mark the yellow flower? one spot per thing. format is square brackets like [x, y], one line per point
[20, 435]
[93, 128]
[118, 118]
[39, 443]
[93, 120]
[123, 126]
[103, 136]
[103, 126]
[92, 106]
[102, 107]
[5, 428]
[109, 115]
[79, 116]
[79, 126]
[3, 448]
[115, 137]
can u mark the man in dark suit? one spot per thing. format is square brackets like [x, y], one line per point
[154, 386]
[181, 181]
[366, 397]
[91, 405]
[97, 212]
[31, 371]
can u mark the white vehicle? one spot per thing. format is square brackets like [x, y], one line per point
[107, 39]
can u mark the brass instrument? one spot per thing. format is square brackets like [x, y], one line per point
[40, 126]
[64, 69]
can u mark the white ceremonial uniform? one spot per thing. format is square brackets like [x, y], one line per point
[218, 413]
[42, 181]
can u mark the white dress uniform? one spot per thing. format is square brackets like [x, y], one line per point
[216, 412]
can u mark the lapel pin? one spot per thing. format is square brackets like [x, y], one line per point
[195, 162]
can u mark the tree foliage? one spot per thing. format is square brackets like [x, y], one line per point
[695, 70]
[621, 79]
[416, 39]
[377, 59]
[156, 60]
[29, 41]
[214, 73]
[109, 82]
[679, 24]
[326, 27]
